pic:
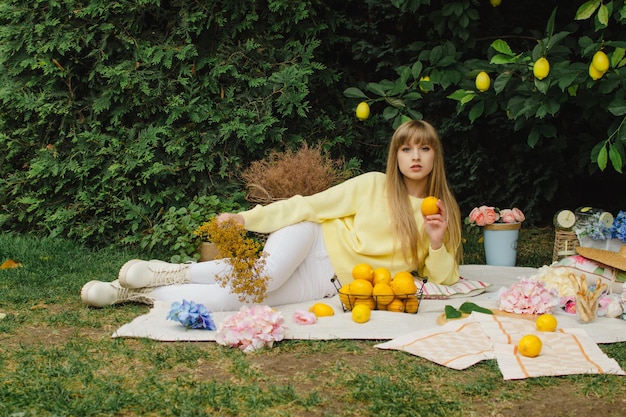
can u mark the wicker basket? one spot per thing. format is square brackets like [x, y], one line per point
[208, 252]
[565, 244]
[404, 303]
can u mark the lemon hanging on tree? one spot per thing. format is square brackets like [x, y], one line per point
[594, 73]
[495, 3]
[424, 78]
[541, 69]
[600, 62]
[363, 111]
[483, 82]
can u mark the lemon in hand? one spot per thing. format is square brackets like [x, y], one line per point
[546, 323]
[482, 81]
[363, 111]
[429, 206]
[541, 69]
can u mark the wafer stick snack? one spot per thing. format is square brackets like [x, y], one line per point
[586, 298]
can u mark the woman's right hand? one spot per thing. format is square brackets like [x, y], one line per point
[235, 217]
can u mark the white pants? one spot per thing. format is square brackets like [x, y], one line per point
[297, 264]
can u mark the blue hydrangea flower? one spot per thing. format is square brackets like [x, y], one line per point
[192, 315]
[594, 228]
[618, 229]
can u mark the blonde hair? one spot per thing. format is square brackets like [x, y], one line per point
[414, 245]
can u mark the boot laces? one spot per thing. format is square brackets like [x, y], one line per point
[125, 295]
[168, 274]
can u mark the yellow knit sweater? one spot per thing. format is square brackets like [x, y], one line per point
[356, 227]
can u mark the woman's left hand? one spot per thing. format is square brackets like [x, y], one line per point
[436, 225]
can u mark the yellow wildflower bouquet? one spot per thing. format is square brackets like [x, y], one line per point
[246, 279]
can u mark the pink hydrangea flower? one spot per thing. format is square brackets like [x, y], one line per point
[527, 297]
[251, 328]
[304, 317]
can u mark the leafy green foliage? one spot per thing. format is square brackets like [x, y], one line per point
[528, 139]
[174, 234]
[112, 114]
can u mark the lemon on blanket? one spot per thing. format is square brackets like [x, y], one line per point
[546, 323]
[361, 313]
[322, 310]
[530, 345]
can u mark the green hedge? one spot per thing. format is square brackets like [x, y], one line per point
[114, 114]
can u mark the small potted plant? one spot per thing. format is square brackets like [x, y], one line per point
[500, 232]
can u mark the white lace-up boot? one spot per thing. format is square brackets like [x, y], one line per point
[100, 294]
[148, 274]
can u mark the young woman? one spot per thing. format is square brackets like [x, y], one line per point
[373, 218]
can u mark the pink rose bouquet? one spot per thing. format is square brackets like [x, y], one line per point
[484, 215]
[251, 328]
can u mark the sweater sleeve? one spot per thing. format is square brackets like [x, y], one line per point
[342, 200]
[441, 267]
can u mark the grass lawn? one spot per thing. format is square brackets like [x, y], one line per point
[57, 359]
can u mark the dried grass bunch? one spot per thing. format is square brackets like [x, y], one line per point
[281, 175]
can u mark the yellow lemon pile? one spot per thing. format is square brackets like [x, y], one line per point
[376, 289]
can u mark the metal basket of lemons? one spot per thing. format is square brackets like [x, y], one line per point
[378, 290]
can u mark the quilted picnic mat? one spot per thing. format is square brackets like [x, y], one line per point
[383, 325]
[462, 343]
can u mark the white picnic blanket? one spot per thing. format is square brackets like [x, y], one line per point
[462, 343]
[383, 325]
[457, 344]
